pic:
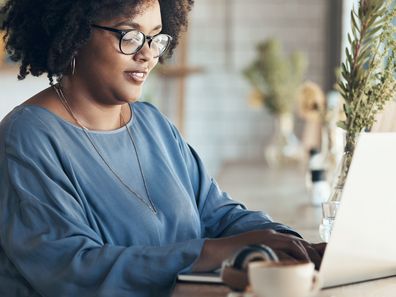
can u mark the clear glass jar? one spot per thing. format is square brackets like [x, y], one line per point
[329, 208]
[329, 212]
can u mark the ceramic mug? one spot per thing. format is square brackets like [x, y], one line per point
[283, 279]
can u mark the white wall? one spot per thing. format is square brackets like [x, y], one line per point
[14, 92]
[220, 124]
[347, 6]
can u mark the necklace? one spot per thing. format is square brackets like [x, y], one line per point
[64, 101]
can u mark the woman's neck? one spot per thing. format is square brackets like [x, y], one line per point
[91, 111]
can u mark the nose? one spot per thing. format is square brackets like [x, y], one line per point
[145, 53]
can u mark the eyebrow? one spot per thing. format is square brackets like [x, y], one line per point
[136, 25]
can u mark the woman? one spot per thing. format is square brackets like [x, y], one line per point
[100, 195]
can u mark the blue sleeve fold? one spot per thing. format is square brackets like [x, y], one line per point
[71, 259]
[220, 214]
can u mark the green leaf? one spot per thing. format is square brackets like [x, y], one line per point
[374, 30]
[342, 125]
[349, 57]
[344, 71]
[364, 56]
[354, 23]
[355, 33]
[347, 109]
[343, 89]
[349, 39]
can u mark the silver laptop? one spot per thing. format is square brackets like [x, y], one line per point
[363, 241]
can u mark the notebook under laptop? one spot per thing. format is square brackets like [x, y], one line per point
[362, 246]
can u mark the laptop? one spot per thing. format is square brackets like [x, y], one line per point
[363, 242]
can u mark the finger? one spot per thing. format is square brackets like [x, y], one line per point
[288, 236]
[272, 236]
[320, 248]
[288, 244]
[300, 249]
[296, 250]
[315, 252]
[315, 257]
[285, 257]
[310, 255]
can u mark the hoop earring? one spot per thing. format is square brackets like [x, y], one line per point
[73, 65]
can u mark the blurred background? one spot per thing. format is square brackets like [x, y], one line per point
[219, 119]
[205, 91]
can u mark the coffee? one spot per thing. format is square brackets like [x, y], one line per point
[283, 279]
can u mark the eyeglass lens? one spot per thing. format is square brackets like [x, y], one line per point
[133, 41]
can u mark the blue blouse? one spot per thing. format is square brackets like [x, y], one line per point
[69, 227]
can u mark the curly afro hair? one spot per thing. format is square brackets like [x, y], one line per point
[45, 35]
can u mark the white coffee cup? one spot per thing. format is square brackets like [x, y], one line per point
[283, 279]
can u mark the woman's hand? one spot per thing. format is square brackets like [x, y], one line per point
[286, 246]
[290, 247]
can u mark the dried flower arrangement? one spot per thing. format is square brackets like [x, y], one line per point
[276, 77]
[367, 79]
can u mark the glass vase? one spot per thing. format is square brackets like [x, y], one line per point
[343, 167]
[284, 146]
[326, 225]
[329, 212]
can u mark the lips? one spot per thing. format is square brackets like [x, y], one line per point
[136, 75]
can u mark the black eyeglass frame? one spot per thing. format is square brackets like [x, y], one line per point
[147, 38]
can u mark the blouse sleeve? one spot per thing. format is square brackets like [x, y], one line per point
[45, 234]
[220, 214]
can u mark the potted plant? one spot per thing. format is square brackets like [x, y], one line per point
[276, 78]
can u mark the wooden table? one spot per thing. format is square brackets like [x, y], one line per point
[280, 193]
[379, 288]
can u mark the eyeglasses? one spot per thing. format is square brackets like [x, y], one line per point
[132, 41]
